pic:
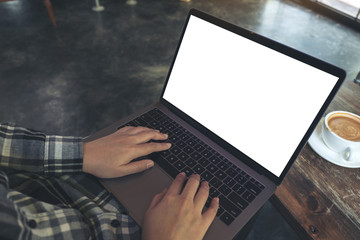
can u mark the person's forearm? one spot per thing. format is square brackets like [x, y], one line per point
[23, 149]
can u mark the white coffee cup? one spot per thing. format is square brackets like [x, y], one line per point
[341, 133]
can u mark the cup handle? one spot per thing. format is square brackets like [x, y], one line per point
[350, 155]
[346, 154]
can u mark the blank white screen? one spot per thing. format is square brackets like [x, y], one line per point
[260, 101]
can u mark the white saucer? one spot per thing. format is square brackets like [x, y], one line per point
[318, 145]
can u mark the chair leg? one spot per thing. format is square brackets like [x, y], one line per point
[50, 11]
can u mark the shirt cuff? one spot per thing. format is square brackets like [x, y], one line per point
[63, 155]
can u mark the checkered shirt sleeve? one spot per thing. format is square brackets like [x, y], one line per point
[36, 170]
[22, 149]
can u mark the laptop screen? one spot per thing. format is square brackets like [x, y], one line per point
[260, 101]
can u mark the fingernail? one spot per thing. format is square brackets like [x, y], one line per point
[195, 175]
[216, 199]
[182, 174]
[150, 164]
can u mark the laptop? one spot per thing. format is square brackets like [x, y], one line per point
[238, 108]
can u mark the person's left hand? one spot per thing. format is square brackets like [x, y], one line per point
[111, 155]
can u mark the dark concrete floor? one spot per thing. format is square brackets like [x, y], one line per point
[96, 67]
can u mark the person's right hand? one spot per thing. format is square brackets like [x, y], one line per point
[178, 214]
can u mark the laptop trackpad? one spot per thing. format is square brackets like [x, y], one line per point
[135, 192]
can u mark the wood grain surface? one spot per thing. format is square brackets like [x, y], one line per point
[322, 200]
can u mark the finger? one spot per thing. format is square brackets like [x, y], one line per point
[210, 213]
[177, 184]
[157, 198]
[139, 129]
[134, 167]
[192, 186]
[202, 195]
[147, 148]
[160, 136]
[147, 135]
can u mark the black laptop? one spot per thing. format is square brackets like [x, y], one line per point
[238, 108]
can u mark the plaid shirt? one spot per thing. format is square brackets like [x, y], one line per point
[45, 195]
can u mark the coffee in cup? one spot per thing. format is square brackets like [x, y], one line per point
[341, 133]
[345, 125]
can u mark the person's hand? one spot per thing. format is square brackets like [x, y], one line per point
[178, 214]
[111, 155]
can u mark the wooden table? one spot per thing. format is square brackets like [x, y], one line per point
[319, 199]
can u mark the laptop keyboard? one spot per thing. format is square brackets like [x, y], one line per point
[234, 187]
